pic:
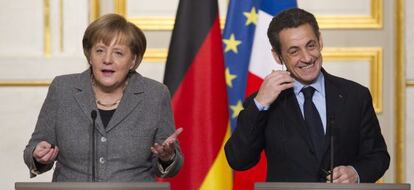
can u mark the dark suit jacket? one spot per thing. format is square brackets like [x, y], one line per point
[281, 132]
[123, 153]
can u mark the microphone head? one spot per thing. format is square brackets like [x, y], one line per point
[93, 114]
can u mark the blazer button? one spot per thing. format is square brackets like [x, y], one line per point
[103, 139]
[101, 160]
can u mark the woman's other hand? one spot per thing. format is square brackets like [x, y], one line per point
[166, 150]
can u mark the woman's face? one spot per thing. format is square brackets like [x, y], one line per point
[111, 64]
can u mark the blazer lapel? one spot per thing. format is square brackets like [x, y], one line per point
[86, 99]
[133, 95]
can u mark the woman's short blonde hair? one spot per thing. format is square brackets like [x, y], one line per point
[111, 26]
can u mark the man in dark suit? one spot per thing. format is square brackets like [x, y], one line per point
[294, 112]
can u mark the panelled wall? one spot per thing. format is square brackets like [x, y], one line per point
[39, 39]
[407, 93]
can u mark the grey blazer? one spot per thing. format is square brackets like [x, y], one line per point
[123, 153]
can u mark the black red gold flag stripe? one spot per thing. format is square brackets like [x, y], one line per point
[195, 77]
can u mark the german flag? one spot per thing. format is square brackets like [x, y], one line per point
[195, 77]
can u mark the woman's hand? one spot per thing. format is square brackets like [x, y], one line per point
[166, 151]
[45, 153]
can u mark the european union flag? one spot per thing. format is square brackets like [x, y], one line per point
[243, 17]
[248, 60]
[238, 36]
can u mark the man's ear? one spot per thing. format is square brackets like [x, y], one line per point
[320, 42]
[277, 57]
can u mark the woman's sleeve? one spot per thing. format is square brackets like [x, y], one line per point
[165, 129]
[44, 131]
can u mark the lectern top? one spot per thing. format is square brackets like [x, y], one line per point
[91, 186]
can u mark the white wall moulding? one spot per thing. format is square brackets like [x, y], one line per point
[148, 16]
[47, 33]
[400, 92]
[24, 83]
[346, 14]
[150, 23]
[163, 8]
[155, 55]
[22, 28]
[61, 24]
[19, 112]
[120, 6]
[94, 9]
[12, 74]
[409, 109]
[153, 23]
[372, 55]
[37, 71]
[330, 14]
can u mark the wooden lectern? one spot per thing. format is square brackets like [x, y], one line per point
[91, 186]
[330, 186]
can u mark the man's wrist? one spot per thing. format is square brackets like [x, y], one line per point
[260, 106]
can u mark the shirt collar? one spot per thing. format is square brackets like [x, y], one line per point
[319, 85]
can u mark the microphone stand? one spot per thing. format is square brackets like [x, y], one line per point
[331, 125]
[93, 116]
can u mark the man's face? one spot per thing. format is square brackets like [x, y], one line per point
[301, 53]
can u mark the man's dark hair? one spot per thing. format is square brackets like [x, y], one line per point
[290, 18]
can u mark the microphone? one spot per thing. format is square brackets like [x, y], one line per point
[93, 116]
[331, 124]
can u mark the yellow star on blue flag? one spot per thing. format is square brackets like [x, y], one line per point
[236, 109]
[251, 16]
[229, 77]
[231, 43]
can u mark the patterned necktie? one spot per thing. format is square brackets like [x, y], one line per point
[313, 120]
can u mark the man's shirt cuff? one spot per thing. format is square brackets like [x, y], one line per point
[259, 106]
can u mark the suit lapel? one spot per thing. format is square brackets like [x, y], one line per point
[334, 103]
[133, 95]
[86, 98]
